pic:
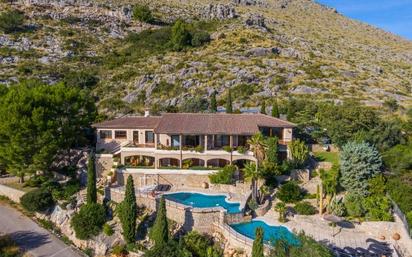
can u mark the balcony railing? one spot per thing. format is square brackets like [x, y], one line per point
[147, 145]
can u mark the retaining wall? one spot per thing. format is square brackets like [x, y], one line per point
[13, 194]
[182, 181]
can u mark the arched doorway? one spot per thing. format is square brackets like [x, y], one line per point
[169, 162]
[217, 163]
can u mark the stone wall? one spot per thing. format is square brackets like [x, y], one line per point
[185, 182]
[11, 193]
[300, 175]
[199, 219]
[234, 239]
[104, 164]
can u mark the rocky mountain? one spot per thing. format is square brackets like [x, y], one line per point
[258, 48]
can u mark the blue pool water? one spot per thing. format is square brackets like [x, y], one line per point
[270, 234]
[203, 201]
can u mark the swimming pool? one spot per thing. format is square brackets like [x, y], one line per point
[198, 200]
[270, 233]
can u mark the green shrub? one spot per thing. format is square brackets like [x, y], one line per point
[11, 21]
[181, 36]
[108, 230]
[354, 205]
[377, 208]
[142, 13]
[200, 38]
[252, 204]
[120, 250]
[169, 249]
[201, 245]
[64, 192]
[199, 149]
[36, 181]
[336, 207]
[82, 79]
[8, 248]
[37, 200]
[305, 208]
[227, 148]
[290, 192]
[241, 149]
[223, 176]
[89, 221]
[281, 209]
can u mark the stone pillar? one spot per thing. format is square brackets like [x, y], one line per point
[180, 148]
[121, 158]
[205, 143]
[231, 149]
[155, 140]
[156, 162]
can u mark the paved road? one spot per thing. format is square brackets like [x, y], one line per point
[37, 241]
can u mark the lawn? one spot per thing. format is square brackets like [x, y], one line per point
[327, 157]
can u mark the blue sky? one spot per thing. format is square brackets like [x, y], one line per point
[391, 15]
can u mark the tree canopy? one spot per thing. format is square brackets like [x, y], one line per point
[37, 121]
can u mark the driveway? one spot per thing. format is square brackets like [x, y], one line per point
[35, 240]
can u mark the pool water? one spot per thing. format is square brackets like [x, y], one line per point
[270, 233]
[198, 200]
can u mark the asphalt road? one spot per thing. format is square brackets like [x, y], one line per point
[35, 240]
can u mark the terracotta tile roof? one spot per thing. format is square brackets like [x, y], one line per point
[206, 123]
[198, 123]
[130, 122]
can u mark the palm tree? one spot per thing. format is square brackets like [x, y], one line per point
[258, 146]
[251, 174]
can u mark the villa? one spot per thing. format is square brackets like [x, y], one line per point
[184, 141]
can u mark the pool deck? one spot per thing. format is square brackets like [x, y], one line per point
[349, 240]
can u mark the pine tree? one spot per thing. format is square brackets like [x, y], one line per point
[128, 212]
[263, 108]
[213, 103]
[229, 107]
[91, 196]
[160, 230]
[359, 162]
[275, 109]
[257, 249]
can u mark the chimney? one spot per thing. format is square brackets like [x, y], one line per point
[146, 112]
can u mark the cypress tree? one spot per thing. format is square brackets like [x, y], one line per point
[275, 109]
[160, 230]
[229, 107]
[263, 108]
[128, 212]
[257, 248]
[213, 103]
[91, 196]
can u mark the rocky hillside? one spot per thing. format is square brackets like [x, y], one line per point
[258, 48]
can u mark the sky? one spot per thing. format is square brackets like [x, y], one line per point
[391, 15]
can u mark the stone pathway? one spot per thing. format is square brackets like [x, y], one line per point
[346, 241]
